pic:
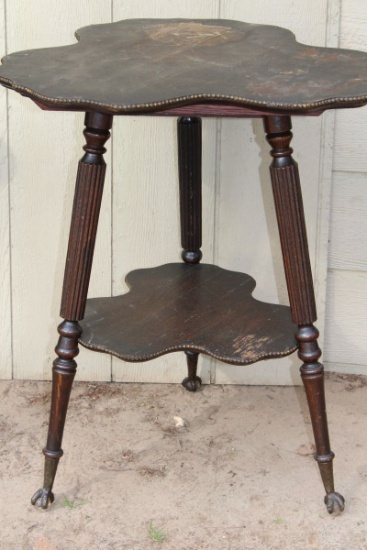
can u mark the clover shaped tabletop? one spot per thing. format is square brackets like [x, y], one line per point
[147, 65]
[177, 307]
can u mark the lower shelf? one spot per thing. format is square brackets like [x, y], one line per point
[177, 306]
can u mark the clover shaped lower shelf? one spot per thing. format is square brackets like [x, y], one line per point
[182, 307]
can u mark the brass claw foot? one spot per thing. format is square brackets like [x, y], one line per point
[43, 498]
[334, 503]
[192, 385]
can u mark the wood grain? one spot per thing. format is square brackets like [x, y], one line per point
[84, 223]
[146, 228]
[179, 69]
[189, 145]
[188, 307]
[291, 220]
[248, 242]
[36, 292]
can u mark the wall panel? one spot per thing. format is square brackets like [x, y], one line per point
[44, 150]
[5, 280]
[350, 136]
[306, 19]
[348, 229]
[345, 349]
[347, 319]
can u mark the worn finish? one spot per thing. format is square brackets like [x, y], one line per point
[192, 382]
[184, 61]
[312, 373]
[87, 201]
[189, 169]
[87, 204]
[63, 373]
[190, 307]
[189, 134]
[293, 237]
[291, 220]
[181, 307]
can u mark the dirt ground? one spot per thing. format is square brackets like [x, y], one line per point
[238, 475]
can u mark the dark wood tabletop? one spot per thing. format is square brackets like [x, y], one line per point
[178, 307]
[147, 65]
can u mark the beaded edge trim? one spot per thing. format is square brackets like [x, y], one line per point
[338, 102]
[199, 349]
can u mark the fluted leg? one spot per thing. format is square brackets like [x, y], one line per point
[87, 202]
[189, 165]
[293, 237]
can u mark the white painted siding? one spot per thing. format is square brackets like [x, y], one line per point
[44, 149]
[141, 195]
[5, 278]
[346, 318]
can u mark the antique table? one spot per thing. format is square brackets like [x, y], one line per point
[189, 69]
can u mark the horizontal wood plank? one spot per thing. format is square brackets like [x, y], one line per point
[5, 279]
[350, 140]
[353, 25]
[44, 151]
[275, 372]
[306, 19]
[345, 347]
[346, 368]
[348, 230]
[350, 136]
[346, 317]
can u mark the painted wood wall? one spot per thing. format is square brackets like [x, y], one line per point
[346, 318]
[139, 219]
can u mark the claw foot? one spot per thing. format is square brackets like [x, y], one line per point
[334, 503]
[192, 385]
[43, 498]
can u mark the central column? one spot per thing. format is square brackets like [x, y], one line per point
[189, 167]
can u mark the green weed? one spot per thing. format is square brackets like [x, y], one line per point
[73, 505]
[156, 535]
[278, 521]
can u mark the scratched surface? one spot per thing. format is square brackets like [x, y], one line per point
[179, 306]
[145, 65]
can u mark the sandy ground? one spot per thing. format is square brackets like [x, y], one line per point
[239, 475]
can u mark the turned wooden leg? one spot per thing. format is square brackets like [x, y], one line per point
[87, 202]
[293, 237]
[189, 164]
[192, 382]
